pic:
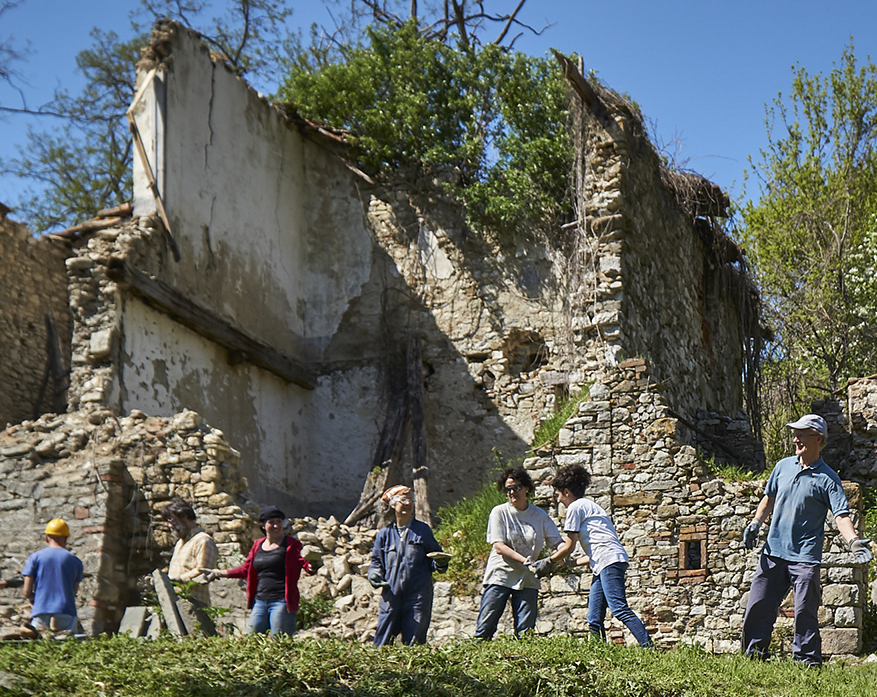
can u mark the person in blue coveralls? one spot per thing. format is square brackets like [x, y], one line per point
[799, 493]
[51, 578]
[401, 566]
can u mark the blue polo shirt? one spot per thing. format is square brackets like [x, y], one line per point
[55, 572]
[802, 498]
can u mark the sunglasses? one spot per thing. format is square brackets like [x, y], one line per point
[513, 489]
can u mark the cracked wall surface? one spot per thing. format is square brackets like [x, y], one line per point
[278, 239]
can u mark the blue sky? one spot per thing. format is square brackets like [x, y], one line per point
[701, 70]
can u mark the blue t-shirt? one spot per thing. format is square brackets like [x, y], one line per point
[55, 572]
[803, 497]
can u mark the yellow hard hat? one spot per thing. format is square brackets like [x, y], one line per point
[56, 526]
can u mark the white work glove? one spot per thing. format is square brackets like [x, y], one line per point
[750, 534]
[528, 562]
[862, 550]
[211, 575]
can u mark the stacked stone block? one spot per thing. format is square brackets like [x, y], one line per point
[33, 283]
[109, 477]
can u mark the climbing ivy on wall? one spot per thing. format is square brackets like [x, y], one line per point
[488, 124]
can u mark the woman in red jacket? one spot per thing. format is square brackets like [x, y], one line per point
[272, 569]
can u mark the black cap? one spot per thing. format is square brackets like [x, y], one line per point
[269, 512]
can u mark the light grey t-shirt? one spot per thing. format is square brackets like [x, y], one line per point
[526, 532]
[596, 532]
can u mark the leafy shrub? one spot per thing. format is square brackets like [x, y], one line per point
[463, 534]
[547, 432]
[495, 121]
[312, 610]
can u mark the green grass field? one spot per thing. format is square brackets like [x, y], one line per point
[260, 666]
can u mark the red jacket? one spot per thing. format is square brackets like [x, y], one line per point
[294, 564]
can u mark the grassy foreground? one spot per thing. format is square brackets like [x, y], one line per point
[258, 666]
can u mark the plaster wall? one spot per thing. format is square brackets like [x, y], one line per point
[264, 220]
[272, 237]
[298, 446]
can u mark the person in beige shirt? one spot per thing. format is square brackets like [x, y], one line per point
[195, 549]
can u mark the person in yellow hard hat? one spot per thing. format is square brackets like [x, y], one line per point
[51, 578]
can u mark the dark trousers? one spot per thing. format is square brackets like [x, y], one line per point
[771, 583]
[406, 614]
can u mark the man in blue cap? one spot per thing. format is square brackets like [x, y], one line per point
[799, 493]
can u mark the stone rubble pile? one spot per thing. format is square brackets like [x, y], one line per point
[108, 477]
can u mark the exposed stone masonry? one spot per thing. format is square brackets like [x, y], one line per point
[108, 477]
[33, 284]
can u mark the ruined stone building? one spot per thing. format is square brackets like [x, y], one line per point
[248, 335]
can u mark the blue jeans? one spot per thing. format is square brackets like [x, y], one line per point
[525, 604]
[607, 590]
[271, 614]
[63, 623]
[772, 580]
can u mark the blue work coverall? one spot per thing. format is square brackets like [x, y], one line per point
[406, 606]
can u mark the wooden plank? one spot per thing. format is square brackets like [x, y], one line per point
[582, 87]
[375, 481]
[423, 511]
[144, 160]
[166, 299]
[90, 226]
[124, 210]
[364, 507]
[418, 428]
[167, 600]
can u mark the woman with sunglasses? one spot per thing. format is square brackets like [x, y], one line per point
[518, 531]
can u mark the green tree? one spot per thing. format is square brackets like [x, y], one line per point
[810, 235]
[490, 123]
[85, 165]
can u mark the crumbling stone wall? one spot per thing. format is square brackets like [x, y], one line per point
[33, 284]
[682, 526]
[668, 286]
[109, 477]
[861, 422]
[689, 571]
[345, 271]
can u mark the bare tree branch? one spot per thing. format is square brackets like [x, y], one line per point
[33, 112]
[509, 23]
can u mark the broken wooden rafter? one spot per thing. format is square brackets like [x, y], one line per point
[166, 299]
[582, 87]
[147, 167]
[88, 226]
[418, 429]
[384, 458]
[124, 210]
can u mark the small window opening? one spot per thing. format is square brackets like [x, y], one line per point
[693, 556]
